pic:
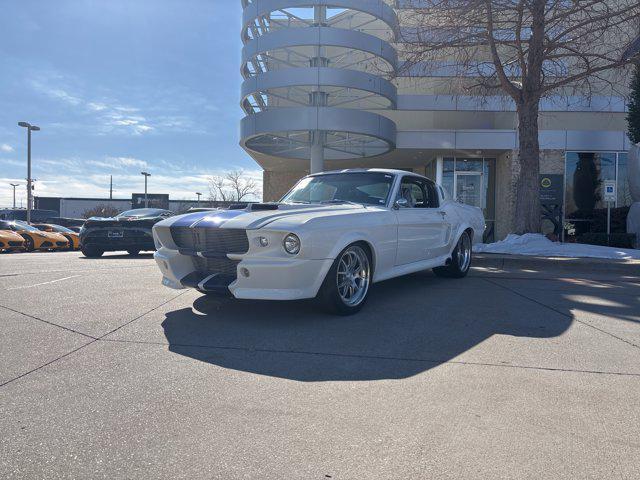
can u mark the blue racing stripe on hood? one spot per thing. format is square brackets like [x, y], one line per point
[213, 218]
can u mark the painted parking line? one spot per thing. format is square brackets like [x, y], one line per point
[45, 283]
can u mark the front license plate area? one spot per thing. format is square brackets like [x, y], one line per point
[115, 234]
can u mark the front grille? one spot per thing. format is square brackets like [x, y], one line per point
[47, 244]
[220, 241]
[61, 244]
[222, 266]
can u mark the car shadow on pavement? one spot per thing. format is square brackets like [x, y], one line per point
[409, 325]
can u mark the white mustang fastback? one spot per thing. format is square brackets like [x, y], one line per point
[329, 238]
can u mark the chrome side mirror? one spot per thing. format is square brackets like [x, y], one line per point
[400, 203]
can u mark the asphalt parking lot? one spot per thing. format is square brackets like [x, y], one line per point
[514, 372]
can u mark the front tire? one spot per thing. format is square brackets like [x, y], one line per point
[92, 252]
[346, 287]
[28, 244]
[460, 259]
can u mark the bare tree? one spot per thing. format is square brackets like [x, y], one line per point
[233, 186]
[527, 49]
[101, 210]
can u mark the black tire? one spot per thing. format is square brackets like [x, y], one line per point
[70, 240]
[92, 252]
[333, 298]
[460, 264]
[28, 244]
[134, 252]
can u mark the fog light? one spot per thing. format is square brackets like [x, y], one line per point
[245, 272]
[264, 241]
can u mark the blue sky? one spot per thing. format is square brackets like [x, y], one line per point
[119, 86]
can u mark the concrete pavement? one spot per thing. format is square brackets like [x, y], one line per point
[513, 372]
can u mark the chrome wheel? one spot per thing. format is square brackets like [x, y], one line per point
[464, 252]
[353, 276]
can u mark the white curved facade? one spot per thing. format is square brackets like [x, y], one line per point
[314, 84]
[323, 88]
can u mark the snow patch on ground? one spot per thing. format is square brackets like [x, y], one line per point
[539, 245]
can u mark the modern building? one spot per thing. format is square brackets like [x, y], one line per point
[319, 93]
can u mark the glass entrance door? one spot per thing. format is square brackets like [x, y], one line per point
[469, 188]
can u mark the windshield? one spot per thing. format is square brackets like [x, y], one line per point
[142, 212]
[25, 226]
[61, 229]
[366, 188]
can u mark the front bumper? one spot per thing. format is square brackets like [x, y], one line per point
[257, 278]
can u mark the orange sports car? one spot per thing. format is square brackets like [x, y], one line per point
[70, 235]
[34, 239]
[10, 241]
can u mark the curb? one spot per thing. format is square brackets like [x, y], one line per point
[557, 264]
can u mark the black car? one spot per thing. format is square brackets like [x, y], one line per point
[130, 231]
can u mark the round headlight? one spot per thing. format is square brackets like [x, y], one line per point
[263, 241]
[291, 244]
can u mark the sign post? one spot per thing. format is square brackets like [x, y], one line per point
[551, 199]
[609, 195]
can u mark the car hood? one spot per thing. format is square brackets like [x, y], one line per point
[121, 222]
[55, 237]
[255, 217]
[10, 235]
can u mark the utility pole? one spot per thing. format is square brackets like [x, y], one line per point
[111, 187]
[146, 199]
[199, 195]
[30, 128]
[14, 185]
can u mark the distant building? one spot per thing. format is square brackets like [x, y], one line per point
[75, 207]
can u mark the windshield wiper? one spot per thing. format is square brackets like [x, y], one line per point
[336, 201]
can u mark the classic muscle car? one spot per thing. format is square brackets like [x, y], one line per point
[330, 237]
[129, 231]
[34, 239]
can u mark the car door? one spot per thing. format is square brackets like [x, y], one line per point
[423, 229]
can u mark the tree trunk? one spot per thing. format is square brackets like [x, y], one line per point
[528, 215]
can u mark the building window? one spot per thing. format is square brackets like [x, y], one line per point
[472, 181]
[584, 177]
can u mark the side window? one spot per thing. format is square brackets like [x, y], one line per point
[412, 190]
[432, 194]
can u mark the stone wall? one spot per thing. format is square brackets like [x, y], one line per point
[507, 169]
[276, 184]
[552, 162]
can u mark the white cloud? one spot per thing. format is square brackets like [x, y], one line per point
[107, 115]
[128, 162]
[6, 148]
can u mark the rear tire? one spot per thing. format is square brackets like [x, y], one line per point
[92, 252]
[460, 259]
[346, 287]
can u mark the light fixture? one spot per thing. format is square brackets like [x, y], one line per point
[291, 244]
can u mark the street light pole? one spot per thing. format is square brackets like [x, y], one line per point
[198, 194]
[14, 185]
[30, 128]
[146, 199]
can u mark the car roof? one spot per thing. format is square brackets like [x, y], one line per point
[390, 171]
